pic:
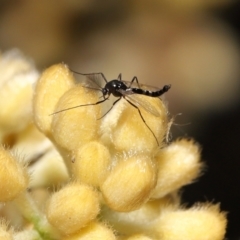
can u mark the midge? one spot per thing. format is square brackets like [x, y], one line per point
[119, 88]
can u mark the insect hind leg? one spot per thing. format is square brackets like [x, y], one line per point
[119, 77]
[143, 120]
[135, 79]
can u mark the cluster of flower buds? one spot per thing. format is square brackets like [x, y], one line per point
[92, 177]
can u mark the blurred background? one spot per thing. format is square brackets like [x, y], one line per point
[193, 45]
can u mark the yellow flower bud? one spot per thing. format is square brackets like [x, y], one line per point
[13, 176]
[53, 83]
[199, 223]
[91, 163]
[138, 237]
[124, 126]
[178, 164]
[130, 183]
[93, 231]
[75, 127]
[72, 208]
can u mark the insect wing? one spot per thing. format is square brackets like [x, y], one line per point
[140, 85]
[93, 80]
[97, 79]
[140, 101]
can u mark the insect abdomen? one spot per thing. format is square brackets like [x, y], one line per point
[149, 93]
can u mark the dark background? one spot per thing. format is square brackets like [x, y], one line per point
[219, 137]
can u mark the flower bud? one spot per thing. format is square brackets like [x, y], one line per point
[28, 234]
[91, 163]
[16, 89]
[75, 127]
[33, 142]
[13, 176]
[130, 183]
[5, 232]
[138, 237]
[178, 164]
[124, 126]
[93, 231]
[129, 223]
[53, 83]
[199, 223]
[42, 171]
[72, 208]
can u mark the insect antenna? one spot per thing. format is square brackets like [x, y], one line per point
[96, 89]
[66, 109]
[84, 105]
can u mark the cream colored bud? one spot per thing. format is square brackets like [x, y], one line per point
[204, 222]
[5, 232]
[178, 164]
[140, 220]
[32, 142]
[12, 62]
[124, 126]
[130, 183]
[42, 171]
[91, 163]
[138, 237]
[13, 176]
[72, 208]
[75, 127]
[53, 83]
[93, 231]
[28, 234]
[16, 89]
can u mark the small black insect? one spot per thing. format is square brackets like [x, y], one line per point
[119, 88]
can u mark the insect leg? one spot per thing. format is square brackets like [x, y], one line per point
[90, 104]
[143, 120]
[120, 77]
[109, 109]
[136, 80]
